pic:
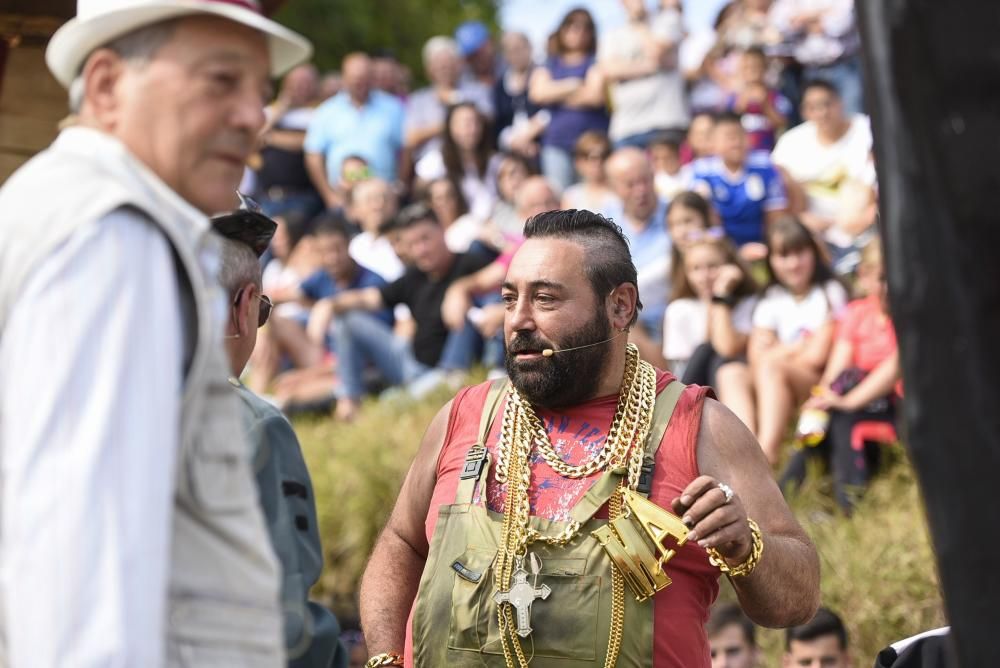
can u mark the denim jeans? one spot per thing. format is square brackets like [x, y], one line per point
[361, 339]
[643, 139]
[557, 167]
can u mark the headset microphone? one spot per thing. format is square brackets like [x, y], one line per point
[549, 352]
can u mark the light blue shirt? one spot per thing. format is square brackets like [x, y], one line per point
[339, 129]
[650, 249]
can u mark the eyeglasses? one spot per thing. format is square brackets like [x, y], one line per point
[601, 155]
[263, 313]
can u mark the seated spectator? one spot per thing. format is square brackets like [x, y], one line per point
[571, 87]
[372, 208]
[505, 226]
[824, 40]
[353, 170]
[698, 141]
[466, 156]
[293, 257]
[793, 327]
[360, 338]
[337, 272]
[519, 122]
[669, 177]
[709, 320]
[282, 182]
[828, 160]
[535, 196]
[639, 61]
[592, 192]
[820, 642]
[732, 637]
[763, 111]
[744, 187]
[426, 108]
[642, 221]
[356, 121]
[857, 385]
[448, 203]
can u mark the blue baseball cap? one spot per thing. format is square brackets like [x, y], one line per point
[471, 36]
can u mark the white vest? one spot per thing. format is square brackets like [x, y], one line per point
[223, 605]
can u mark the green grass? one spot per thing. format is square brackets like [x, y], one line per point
[878, 568]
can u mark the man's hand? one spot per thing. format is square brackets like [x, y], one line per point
[714, 522]
[320, 318]
[455, 306]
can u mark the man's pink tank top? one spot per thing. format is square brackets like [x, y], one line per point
[577, 433]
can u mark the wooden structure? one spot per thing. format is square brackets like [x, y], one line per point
[31, 101]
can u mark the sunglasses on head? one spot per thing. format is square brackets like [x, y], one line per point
[263, 313]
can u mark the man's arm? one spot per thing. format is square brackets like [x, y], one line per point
[389, 584]
[324, 310]
[783, 590]
[316, 166]
[91, 368]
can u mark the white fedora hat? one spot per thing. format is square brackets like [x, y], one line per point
[98, 22]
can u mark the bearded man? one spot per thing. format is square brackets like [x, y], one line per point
[533, 524]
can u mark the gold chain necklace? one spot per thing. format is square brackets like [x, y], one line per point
[521, 431]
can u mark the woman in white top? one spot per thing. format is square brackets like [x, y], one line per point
[708, 322]
[793, 328]
[466, 157]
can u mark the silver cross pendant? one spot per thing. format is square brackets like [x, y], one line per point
[522, 594]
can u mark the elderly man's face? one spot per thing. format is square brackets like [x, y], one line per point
[444, 68]
[632, 180]
[192, 113]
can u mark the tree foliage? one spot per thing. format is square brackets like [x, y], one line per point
[338, 27]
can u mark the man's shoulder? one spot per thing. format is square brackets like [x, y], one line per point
[794, 138]
[385, 101]
[255, 406]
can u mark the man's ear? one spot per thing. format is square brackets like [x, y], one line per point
[622, 305]
[241, 310]
[102, 77]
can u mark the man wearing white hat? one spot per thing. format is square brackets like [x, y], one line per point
[131, 531]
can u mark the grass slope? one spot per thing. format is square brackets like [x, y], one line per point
[878, 568]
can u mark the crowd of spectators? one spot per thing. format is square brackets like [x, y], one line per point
[737, 162]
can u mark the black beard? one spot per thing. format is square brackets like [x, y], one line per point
[565, 378]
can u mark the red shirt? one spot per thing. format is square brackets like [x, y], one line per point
[681, 610]
[869, 331]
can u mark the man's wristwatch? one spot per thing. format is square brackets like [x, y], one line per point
[385, 659]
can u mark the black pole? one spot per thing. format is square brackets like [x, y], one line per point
[933, 88]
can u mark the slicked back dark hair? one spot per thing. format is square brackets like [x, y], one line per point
[609, 261]
[825, 623]
[725, 615]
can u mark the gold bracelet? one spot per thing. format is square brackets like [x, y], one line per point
[747, 567]
[385, 659]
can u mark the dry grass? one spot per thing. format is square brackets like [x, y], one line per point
[878, 568]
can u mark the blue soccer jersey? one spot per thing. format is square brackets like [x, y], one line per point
[742, 198]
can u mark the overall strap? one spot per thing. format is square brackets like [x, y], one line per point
[602, 490]
[666, 401]
[477, 465]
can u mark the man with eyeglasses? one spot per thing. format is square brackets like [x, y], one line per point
[283, 482]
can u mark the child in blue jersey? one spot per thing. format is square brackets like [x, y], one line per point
[744, 187]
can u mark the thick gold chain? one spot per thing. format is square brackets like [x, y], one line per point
[521, 431]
